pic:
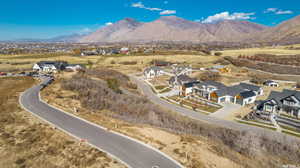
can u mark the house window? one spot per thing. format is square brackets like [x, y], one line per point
[268, 108]
[289, 103]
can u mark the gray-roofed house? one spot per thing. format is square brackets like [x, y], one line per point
[258, 90]
[181, 79]
[152, 72]
[184, 83]
[271, 83]
[241, 94]
[287, 101]
[50, 66]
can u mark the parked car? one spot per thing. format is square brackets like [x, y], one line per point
[2, 74]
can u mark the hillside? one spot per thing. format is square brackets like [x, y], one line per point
[172, 28]
[286, 31]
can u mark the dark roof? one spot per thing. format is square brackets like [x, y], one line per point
[223, 90]
[269, 82]
[214, 83]
[249, 86]
[279, 96]
[182, 79]
[247, 94]
[190, 84]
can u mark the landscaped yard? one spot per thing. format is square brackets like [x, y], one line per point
[160, 87]
[194, 104]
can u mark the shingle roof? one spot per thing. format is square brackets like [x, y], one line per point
[249, 86]
[223, 90]
[247, 94]
[190, 84]
[278, 96]
[182, 79]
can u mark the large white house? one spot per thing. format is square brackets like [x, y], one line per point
[153, 72]
[50, 66]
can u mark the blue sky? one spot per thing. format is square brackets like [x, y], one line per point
[50, 18]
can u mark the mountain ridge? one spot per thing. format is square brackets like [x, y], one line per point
[173, 28]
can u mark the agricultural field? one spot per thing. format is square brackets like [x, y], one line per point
[25, 141]
[284, 50]
[124, 63]
[25, 62]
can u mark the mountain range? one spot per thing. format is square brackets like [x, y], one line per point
[172, 28]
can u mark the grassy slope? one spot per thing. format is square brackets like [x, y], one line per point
[25, 142]
[222, 155]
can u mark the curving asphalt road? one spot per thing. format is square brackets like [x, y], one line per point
[132, 153]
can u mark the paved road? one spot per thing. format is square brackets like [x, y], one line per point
[146, 90]
[132, 153]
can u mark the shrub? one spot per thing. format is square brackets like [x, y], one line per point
[213, 76]
[96, 95]
[129, 63]
[112, 62]
[114, 85]
[218, 54]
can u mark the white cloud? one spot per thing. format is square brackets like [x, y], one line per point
[278, 11]
[168, 12]
[85, 30]
[142, 6]
[228, 16]
[108, 23]
[281, 12]
[270, 10]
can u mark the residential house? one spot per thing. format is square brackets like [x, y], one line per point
[241, 94]
[184, 70]
[89, 53]
[50, 66]
[124, 50]
[184, 83]
[287, 101]
[152, 72]
[74, 67]
[271, 83]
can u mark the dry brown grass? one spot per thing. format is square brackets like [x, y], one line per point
[224, 143]
[27, 142]
[201, 151]
[254, 51]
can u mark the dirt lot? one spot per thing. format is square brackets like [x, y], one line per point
[27, 142]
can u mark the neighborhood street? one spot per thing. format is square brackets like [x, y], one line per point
[146, 90]
[131, 152]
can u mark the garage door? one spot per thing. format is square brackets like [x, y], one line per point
[222, 100]
[239, 101]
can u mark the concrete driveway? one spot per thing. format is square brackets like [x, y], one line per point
[226, 111]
